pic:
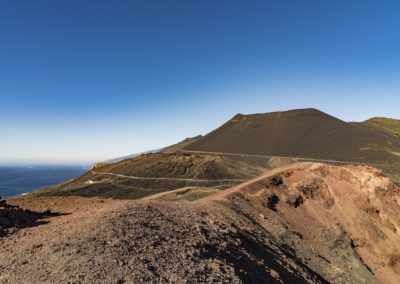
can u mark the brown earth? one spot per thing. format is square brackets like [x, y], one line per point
[303, 223]
[304, 133]
[186, 193]
[149, 174]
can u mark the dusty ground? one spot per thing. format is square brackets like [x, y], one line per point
[305, 223]
[125, 241]
[186, 193]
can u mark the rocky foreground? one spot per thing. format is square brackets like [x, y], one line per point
[304, 223]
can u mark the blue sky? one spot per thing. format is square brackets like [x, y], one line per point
[91, 80]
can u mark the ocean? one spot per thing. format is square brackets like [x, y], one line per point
[15, 180]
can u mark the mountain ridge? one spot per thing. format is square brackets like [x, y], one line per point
[242, 147]
[307, 133]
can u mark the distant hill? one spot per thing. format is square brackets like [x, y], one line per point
[179, 146]
[116, 160]
[149, 174]
[169, 149]
[387, 125]
[277, 138]
[303, 133]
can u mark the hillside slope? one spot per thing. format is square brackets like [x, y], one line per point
[349, 215]
[304, 133]
[303, 223]
[301, 135]
[387, 125]
[159, 172]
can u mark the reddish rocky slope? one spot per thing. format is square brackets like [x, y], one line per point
[304, 223]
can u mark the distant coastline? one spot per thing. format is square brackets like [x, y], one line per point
[18, 179]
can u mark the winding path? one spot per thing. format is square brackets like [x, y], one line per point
[294, 158]
[168, 179]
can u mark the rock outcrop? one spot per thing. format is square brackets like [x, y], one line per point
[349, 216]
[13, 217]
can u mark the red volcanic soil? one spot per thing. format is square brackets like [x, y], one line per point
[303, 223]
[350, 215]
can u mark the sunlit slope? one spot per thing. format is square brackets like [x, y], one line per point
[388, 125]
[304, 133]
[150, 174]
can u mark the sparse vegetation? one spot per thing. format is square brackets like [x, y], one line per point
[388, 125]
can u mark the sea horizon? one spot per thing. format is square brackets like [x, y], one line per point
[17, 179]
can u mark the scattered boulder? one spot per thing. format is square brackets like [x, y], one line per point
[100, 165]
[12, 216]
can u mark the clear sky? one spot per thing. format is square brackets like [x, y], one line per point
[88, 80]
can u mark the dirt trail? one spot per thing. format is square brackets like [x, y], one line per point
[303, 223]
[300, 133]
[298, 159]
[392, 170]
[168, 178]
